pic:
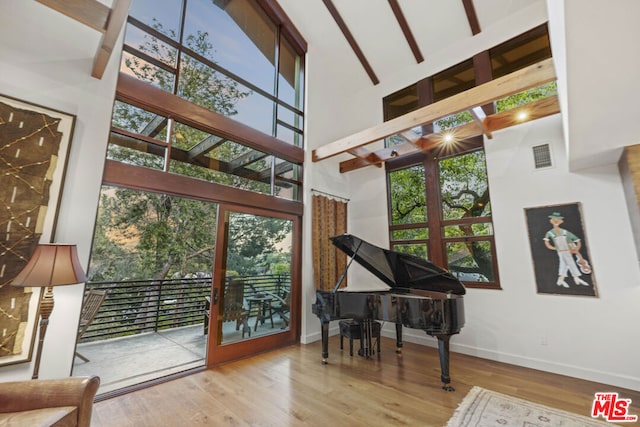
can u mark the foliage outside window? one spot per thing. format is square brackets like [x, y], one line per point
[439, 204]
[228, 57]
[232, 60]
[141, 235]
[459, 233]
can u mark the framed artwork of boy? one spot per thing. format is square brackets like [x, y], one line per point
[559, 249]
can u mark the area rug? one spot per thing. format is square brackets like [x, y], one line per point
[485, 408]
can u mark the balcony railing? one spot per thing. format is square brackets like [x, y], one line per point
[139, 306]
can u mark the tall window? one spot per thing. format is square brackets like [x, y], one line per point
[228, 56]
[439, 204]
[211, 74]
[440, 210]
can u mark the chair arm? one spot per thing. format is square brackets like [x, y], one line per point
[20, 396]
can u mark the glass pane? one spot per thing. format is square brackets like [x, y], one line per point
[290, 85]
[452, 121]
[416, 249]
[165, 19]
[471, 261]
[408, 195]
[285, 134]
[152, 46]
[408, 136]
[224, 162]
[236, 35]
[137, 120]
[136, 152]
[202, 85]
[464, 187]
[147, 72]
[527, 96]
[153, 254]
[289, 117]
[287, 180]
[453, 80]
[257, 288]
[469, 230]
[410, 234]
[400, 102]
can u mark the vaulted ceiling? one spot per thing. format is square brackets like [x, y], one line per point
[376, 41]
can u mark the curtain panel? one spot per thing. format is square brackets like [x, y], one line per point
[329, 218]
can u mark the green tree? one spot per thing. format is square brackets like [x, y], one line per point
[152, 235]
[464, 194]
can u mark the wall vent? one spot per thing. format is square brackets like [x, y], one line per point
[542, 156]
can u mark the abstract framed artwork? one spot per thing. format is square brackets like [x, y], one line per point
[560, 252]
[34, 146]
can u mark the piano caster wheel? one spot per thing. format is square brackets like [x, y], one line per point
[447, 387]
[325, 361]
[398, 350]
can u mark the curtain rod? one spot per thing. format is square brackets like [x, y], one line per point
[313, 190]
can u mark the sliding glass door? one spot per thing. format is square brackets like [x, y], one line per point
[252, 296]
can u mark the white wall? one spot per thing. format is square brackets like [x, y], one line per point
[584, 336]
[46, 58]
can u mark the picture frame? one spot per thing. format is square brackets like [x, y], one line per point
[34, 148]
[560, 251]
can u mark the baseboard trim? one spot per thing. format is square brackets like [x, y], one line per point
[419, 337]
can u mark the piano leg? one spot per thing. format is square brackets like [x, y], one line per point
[443, 350]
[325, 342]
[398, 337]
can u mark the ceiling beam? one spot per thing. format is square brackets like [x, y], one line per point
[108, 21]
[532, 111]
[479, 116]
[117, 18]
[404, 26]
[518, 81]
[351, 40]
[472, 17]
[89, 12]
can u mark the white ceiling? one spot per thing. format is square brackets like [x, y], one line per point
[598, 36]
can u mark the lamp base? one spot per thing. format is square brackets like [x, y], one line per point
[46, 307]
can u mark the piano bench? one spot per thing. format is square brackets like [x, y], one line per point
[352, 330]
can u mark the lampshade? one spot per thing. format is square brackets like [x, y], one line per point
[51, 265]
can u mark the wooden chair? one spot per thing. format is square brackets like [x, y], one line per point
[281, 304]
[234, 308]
[93, 300]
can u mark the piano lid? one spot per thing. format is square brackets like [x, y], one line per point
[396, 269]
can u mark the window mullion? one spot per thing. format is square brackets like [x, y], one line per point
[434, 213]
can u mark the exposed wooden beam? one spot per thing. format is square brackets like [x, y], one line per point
[472, 18]
[366, 156]
[89, 12]
[351, 40]
[518, 81]
[117, 18]
[534, 110]
[404, 26]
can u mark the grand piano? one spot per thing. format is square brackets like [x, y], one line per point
[421, 296]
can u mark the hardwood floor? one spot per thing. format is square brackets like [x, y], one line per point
[291, 387]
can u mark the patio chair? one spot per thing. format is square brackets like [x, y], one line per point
[93, 300]
[281, 304]
[234, 308]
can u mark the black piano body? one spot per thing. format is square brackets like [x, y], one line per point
[421, 296]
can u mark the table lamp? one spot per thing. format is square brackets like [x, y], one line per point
[50, 265]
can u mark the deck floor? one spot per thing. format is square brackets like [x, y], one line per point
[127, 361]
